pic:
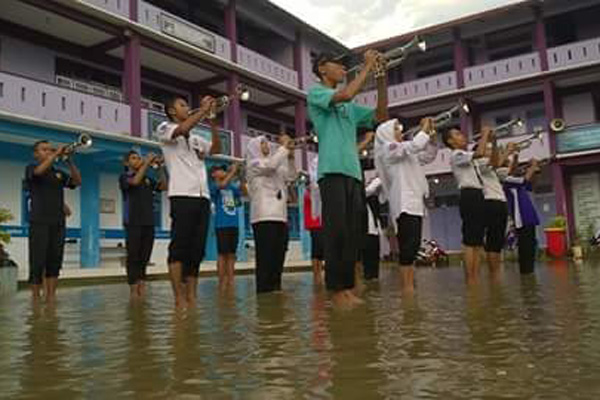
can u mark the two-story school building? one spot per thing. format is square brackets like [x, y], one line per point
[534, 60]
[103, 66]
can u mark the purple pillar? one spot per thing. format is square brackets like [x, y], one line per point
[231, 27]
[133, 10]
[460, 58]
[300, 125]
[541, 44]
[132, 82]
[234, 115]
[553, 111]
[299, 58]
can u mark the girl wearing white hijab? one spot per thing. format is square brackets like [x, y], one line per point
[399, 164]
[268, 173]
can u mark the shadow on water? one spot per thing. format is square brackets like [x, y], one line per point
[509, 336]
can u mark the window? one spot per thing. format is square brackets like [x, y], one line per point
[43, 99]
[22, 95]
[1, 89]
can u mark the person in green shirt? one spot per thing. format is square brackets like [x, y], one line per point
[336, 120]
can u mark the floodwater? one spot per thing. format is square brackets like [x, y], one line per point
[509, 337]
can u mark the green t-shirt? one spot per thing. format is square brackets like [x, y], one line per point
[336, 126]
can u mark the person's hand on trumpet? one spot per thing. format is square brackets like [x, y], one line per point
[286, 141]
[428, 126]
[372, 58]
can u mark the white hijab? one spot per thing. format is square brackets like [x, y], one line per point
[315, 194]
[384, 136]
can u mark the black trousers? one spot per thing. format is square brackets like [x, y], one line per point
[46, 249]
[343, 207]
[370, 257]
[527, 247]
[496, 218]
[140, 240]
[189, 228]
[271, 240]
[409, 237]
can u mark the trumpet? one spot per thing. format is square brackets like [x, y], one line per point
[526, 143]
[443, 119]
[503, 130]
[83, 141]
[222, 102]
[396, 56]
[306, 140]
[158, 163]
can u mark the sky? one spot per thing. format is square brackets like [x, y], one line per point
[357, 22]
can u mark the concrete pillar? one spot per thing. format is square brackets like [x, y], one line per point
[132, 82]
[90, 214]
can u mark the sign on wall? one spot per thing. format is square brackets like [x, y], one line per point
[578, 139]
[155, 119]
[195, 35]
[586, 201]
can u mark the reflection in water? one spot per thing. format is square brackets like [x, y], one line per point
[509, 336]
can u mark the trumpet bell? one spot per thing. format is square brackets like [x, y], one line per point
[422, 45]
[85, 141]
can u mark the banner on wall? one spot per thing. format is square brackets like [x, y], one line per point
[586, 202]
[578, 139]
[155, 119]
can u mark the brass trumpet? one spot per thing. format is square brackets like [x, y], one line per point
[443, 119]
[306, 140]
[84, 141]
[557, 125]
[222, 102]
[526, 143]
[396, 56]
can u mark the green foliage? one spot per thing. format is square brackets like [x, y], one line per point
[558, 222]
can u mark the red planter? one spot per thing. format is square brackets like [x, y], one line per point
[556, 242]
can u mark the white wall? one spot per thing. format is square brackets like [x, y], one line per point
[578, 109]
[109, 190]
[11, 180]
[23, 58]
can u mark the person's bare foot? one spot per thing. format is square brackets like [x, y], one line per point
[353, 298]
[340, 300]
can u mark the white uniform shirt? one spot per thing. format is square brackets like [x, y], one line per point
[492, 187]
[267, 186]
[184, 158]
[372, 189]
[463, 168]
[404, 165]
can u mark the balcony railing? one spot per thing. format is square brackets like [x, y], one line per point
[169, 24]
[119, 7]
[574, 54]
[410, 91]
[502, 70]
[49, 102]
[263, 65]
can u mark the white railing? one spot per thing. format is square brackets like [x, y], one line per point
[152, 17]
[585, 52]
[119, 7]
[410, 91]
[53, 103]
[502, 70]
[263, 65]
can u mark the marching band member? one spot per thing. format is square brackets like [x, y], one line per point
[371, 249]
[47, 225]
[336, 118]
[492, 172]
[188, 191]
[138, 216]
[268, 173]
[523, 212]
[313, 222]
[399, 163]
[226, 197]
[472, 202]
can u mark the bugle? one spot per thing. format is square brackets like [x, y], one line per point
[442, 120]
[84, 141]
[394, 57]
[557, 125]
[222, 102]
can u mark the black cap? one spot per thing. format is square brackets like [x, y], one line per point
[323, 58]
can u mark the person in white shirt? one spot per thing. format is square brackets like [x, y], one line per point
[472, 202]
[268, 173]
[492, 173]
[399, 163]
[188, 191]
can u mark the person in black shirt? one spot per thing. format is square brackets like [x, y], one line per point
[47, 216]
[138, 216]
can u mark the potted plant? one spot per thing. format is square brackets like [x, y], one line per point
[8, 268]
[556, 237]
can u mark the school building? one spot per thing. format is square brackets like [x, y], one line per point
[534, 60]
[103, 66]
